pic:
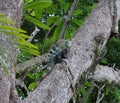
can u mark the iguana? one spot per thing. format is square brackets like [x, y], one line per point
[57, 54]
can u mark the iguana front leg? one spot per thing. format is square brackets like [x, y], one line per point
[58, 53]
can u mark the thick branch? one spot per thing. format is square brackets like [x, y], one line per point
[108, 74]
[8, 93]
[32, 62]
[59, 85]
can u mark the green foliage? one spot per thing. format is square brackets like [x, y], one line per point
[82, 93]
[88, 92]
[21, 93]
[112, 94]
[49, 16]
[4, 20]
[33, 85]
[4, 65]
[19, 33]
[117, 93]
[33, 78]
[23, 45]
[36, 22]
[47, 44]
[57, 31]
[35, 9]
[112, 58]
[38, 4]
[113, 55]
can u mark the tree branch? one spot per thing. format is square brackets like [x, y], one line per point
[8, 94]
[34, 61]
[59, 85]
[105, 73]
[67, 21]
[100, 95]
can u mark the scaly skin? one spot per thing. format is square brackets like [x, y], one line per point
[58, 53]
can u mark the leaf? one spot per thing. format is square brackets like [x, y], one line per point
[83, 91]
[20, 92]
[117, 93]
[86, 100]
[31, 76]
[107, 90]
[37, 13]
[67, 34]
[65, 6]
[27, 1]
[57, 31]
[88, 84]
[36, 75]
[11, 28]
[77, 22]
[47, 45]
[77, 12]
[23, 56]
[74, 28]
[113, 48]
[19, 35]
[5, 68]
[32, 85]
[104, 61]
[4, 20]
[25, 43]
[36, 22]
[41, 4]
[30, 51]
[53, 20]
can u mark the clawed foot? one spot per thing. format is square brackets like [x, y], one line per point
[65, 61]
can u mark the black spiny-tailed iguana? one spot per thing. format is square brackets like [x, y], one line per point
[57, 54]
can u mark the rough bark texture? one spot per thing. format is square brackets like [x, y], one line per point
[105, 73]
[8, 93]
[34, 61]
[59, 85]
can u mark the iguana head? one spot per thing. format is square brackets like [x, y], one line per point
[67, 43]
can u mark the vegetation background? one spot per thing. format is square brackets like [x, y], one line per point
[49, 16]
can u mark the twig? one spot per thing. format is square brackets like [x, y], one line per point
[67, 21]
[34, 61]
[87, 94]
[100, 95]
[33, 34]
[52, 28]
[19, 82]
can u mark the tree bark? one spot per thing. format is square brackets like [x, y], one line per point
[105, 73]
[59, 86]
[8, 94]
